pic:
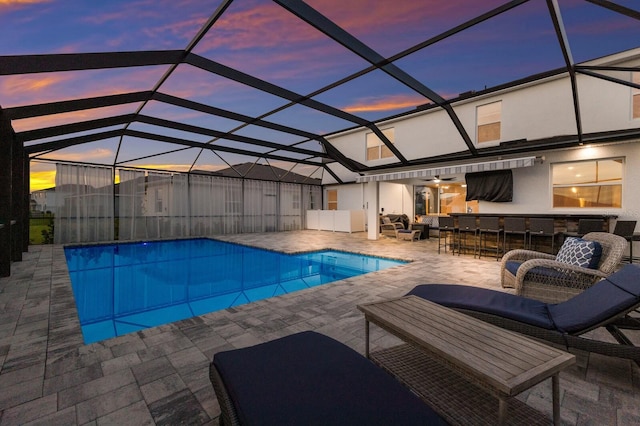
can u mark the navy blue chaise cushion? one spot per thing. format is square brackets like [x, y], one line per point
[488, 301]
[308, 378]
[604, 300]
[513, 265]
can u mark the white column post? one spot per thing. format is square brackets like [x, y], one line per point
[371, 203]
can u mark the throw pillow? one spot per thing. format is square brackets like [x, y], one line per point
[579, 252]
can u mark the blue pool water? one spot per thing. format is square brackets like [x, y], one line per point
[122, 288]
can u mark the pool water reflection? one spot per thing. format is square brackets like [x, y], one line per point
[123, 288]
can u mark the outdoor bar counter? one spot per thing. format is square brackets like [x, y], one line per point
[563, 222]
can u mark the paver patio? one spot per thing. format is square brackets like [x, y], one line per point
[160, 375]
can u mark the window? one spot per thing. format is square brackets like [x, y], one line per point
[332, 199]
[452, 200]
[635, 95]
[376, 149]
[594, 183]
[443, 199]
[489, 117]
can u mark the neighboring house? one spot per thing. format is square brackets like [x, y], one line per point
[265, 172]
[44, 200]
[160, 193]
[267, 199]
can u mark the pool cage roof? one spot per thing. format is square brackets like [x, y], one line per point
[201, 86]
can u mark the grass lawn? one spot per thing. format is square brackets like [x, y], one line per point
[35, 233]
[36, 226]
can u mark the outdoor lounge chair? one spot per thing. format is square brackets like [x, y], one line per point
[389, 228]
[543, 277]
[607, 304]
[308, 378]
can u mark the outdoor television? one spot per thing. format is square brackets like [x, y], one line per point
[493, 185]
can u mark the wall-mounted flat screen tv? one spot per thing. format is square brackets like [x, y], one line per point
[493, 185]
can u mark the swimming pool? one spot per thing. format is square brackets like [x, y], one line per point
[122, 288]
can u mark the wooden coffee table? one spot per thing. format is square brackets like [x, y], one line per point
[456, 346]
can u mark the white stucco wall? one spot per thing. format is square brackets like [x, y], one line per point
[394, 198]
[344, 174]
[350, 196]
[539, 110]
[532, 185]
[427, 135]
[607, 105]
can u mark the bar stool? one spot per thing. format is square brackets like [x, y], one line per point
[488, 225]
[515, 226]
[466, 226]
[542, 227]
[446, 227]
[585, 226]
[625, 228]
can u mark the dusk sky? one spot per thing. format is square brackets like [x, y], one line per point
[260, 38]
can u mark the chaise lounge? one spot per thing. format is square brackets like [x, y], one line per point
[607, 304]
[308, 378]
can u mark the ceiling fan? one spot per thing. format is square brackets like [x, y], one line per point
[438, 179]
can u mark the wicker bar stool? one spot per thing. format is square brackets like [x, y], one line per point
[625, 229]
[489, 225]
[585, 226]
[515, 226]
[542, 228]
[466, 226]
[446, 229]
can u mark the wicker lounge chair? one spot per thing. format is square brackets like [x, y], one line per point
[310, 379]
[540, 276]
[606, 304]
[389, 228]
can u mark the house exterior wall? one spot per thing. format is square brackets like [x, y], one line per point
[543, 109]
[395, 198]
[538, 110]
[45, 200]
[350, 196]
[532, 185]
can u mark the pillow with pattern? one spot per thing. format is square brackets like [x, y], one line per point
[579, 252]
